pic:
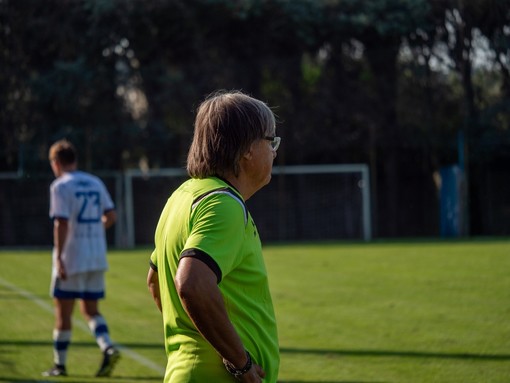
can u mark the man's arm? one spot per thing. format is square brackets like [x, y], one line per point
[197, 287]
[153, 285]
[60, 228]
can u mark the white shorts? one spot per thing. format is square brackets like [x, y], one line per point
[88, 285]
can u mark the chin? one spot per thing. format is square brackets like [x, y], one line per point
[268, 179]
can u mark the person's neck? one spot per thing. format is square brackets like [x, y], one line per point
[241, 184]
[69, 168]
[61, 170]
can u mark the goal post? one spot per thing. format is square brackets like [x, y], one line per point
[363, 184]
[299, 198]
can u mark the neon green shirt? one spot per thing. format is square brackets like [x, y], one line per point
[207, 219]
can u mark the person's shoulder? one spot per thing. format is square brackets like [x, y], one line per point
[195, 186]
[87, 177]
[213, 190]
[83, 174]
[197, 190]
[200, 186]
[61, 181]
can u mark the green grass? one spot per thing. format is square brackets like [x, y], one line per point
[348, 313]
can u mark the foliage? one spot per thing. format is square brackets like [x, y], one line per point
[384, 82]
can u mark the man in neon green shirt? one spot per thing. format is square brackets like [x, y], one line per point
[207, 273]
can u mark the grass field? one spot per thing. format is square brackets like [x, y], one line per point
[394, 312]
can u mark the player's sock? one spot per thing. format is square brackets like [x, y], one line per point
[61, 340]
[99, 329]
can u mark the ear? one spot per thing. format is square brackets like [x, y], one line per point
[249, 154]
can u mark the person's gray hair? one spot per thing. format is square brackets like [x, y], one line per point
[227, 123]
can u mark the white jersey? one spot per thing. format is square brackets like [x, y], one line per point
[82, 199]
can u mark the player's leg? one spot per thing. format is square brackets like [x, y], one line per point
[64, 293]
[61, 336]
[97, 323]
[89, 307]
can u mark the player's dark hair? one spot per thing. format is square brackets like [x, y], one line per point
[227, 123]
[64, 152]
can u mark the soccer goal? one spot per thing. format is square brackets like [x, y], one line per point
[301, 203]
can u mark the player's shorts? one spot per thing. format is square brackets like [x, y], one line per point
[88, 285]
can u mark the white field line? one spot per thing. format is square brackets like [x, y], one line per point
[81, 325]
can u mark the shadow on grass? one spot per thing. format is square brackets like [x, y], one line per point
[73, 378]
[290, 350]
[46, 343]
[399, 354]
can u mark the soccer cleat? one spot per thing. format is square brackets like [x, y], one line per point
[110, 359]
[56, 370]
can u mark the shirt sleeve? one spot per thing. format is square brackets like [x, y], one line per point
[218, 230]
[153, 261]
[106, 198]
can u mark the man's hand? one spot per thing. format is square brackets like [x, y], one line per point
[61, 269]
[255, 374]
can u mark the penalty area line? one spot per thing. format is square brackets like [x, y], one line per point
[81, 325]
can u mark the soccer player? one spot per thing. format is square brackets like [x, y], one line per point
[207, 274]
[81, 209]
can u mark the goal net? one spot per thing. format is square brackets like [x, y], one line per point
[301, 203]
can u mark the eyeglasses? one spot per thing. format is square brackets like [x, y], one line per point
[275, 142]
